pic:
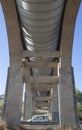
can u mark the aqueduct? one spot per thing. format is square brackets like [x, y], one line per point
[40, 35]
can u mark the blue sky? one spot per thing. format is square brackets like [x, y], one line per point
[76, 58]
[4, 57]
[77, 51]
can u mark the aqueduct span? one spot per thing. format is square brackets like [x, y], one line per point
[40, 34]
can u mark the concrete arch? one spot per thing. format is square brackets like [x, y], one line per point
[68, 27]
[13, 29]
[66, 87]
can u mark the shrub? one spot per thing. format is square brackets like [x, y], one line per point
[3, 125]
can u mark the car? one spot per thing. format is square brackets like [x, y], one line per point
[1, 97]
[38, 118]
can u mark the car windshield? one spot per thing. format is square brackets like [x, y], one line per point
[41, 117]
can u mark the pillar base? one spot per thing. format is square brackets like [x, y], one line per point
[12, 122]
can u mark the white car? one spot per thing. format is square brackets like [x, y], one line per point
[38, 118]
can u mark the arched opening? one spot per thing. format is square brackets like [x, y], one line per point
[4, 52]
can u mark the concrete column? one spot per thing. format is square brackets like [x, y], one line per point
[28, 102]
[13, 100]
[13, 103]
[66, 88]
[66, 98]
[54, 104]
[75, 100]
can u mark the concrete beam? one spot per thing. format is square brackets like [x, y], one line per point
[40, 64]
[41, 54]
[41, 79]
[43, 104]
[42, 87]
[44, 98]
[39, 113]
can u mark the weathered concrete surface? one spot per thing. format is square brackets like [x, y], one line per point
[66, 99]
[28, 103]
[54, 101]
[48, 127]
[15, 73]
[13, 29]
[54, 104]
[14, 82]
[66, 89]
[13, 104]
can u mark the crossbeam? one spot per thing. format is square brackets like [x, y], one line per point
[43, 87]
[41, 79]
[39, 112]
[41, 54]
[41, 104]
[40, 64]
[42, 98]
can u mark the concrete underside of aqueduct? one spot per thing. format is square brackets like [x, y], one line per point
[40, 36]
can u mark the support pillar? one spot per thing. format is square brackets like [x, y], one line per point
[13, 103]
[12, 110]
[66, 98]
[67, 110]
[75, 100]
[28, 102]
[54, 104]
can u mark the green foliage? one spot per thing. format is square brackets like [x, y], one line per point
[79, 103]
[79, 96]
[1, 106]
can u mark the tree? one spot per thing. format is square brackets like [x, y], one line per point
[79, 96]
[79, 103]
